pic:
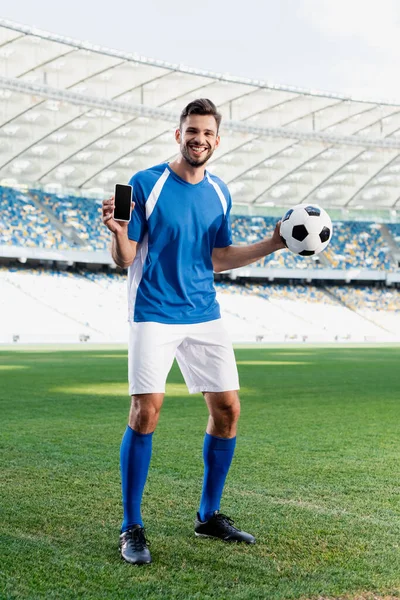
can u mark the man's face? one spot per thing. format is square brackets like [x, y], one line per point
[197, 139]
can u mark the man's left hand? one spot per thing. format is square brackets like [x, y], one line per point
[276, 237]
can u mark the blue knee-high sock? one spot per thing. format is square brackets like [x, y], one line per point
[217, 455]
[135, 460]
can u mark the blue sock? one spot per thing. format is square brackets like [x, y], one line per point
[135, 460]
[217, 454]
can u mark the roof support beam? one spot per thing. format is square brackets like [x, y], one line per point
[166, 115]
[180, 68]
[370, 179]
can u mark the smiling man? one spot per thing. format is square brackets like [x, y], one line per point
[179, 234]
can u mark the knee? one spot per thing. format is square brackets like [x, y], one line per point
[232, 411]
[228, 411]
[144, 414]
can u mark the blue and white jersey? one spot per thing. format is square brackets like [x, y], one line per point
[178, 224]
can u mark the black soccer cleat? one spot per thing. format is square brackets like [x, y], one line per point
[220, 526]
[134, 546]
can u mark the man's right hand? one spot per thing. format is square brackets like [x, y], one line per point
[108, 217]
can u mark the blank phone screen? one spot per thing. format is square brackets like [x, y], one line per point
[122, 202]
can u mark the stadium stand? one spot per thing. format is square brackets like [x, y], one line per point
[63, 306]
[24, 222]
[358, 244]
[380, 305]
[308, 313]
[248, 230]
[70, 306]
[394, 230]
[82, 214]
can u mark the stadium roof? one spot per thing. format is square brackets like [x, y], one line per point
[75, 115]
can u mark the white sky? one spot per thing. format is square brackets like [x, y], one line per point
[346, 46]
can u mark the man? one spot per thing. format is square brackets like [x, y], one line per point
[178, 235]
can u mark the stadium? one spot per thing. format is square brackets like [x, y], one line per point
[75, 119]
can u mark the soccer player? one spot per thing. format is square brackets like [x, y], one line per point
[179, 233]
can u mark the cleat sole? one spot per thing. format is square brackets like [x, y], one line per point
[216, 537]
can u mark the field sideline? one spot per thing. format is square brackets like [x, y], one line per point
[315, 478]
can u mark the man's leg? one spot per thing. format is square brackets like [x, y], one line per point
[219, 447]
[207, 362]
[136, 450]
[218, 450]
[135, 457]
[151, 352]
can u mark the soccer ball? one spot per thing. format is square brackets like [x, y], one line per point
[306, 229]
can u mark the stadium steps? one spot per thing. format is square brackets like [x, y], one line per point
[50, 306]
[349, 306]
[68, 232]
[393, 247]
[324, 259]
[327, 258]
[285, 310]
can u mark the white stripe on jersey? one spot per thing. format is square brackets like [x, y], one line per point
[135, 271]
[220, 194]
[155, 193]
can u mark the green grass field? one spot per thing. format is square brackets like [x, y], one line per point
[315, 478]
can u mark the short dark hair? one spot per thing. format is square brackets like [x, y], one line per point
[202, 106]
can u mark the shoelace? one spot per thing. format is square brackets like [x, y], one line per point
[225, 520]
[138, 538]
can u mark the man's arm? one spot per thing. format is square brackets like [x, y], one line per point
[123, 250]
[233, 257]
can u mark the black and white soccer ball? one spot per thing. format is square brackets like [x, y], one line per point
[306, 229]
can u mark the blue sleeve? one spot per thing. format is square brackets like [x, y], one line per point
[137, 226]
[224, 233]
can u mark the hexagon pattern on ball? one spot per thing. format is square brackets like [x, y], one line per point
[299, 232]
[306, 229]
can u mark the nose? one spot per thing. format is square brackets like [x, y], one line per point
[200, 139]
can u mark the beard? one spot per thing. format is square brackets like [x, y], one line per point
[196, 162]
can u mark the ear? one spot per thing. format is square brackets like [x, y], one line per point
[178, 136]
[217, 141]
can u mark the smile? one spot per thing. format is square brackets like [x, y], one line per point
[197, 149]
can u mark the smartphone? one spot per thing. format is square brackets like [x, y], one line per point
[123, 202]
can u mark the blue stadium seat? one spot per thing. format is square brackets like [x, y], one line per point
[354, 244]
[23, 224]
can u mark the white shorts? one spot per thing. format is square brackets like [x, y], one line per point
[203, 351]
